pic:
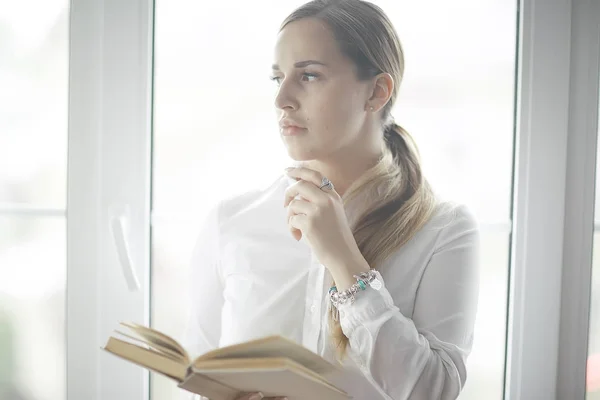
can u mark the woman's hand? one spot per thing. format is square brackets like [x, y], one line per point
[258, 396]
[319, 216]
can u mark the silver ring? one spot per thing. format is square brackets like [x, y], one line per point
[326, 183]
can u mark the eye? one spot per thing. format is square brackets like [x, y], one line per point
[276, 79]
[307, 76]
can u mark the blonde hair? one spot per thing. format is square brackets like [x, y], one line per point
[404, 200]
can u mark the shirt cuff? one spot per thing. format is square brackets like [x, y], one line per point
[369, 304]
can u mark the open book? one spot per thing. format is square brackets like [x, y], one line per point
[273, 365]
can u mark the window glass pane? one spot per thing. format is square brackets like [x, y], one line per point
[33, 102]
[593, 364]
[215, 135]
[33, 157]
[32, 308]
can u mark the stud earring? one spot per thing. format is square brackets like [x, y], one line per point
[371, 108]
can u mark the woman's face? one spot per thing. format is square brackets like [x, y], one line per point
[318, 92]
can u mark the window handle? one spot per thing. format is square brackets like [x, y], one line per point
[117, 227]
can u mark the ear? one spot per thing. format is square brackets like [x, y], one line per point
[383, 86]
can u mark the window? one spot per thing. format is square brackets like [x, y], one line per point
[33, 175]
[157, 136]
[593, 362]
[215, 135]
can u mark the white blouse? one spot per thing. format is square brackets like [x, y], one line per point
[408, 340]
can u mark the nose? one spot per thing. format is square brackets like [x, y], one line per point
[286, 99]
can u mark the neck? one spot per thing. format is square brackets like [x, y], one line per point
[345, 167]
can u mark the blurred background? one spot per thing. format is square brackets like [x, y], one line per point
[215, 135]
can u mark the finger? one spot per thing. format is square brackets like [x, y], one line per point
[301, 206]
[307, 190]
[298, 223]
[294, 225]
[306, 174]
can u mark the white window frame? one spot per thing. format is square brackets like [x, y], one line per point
[580, 192]
[108, 176]
[553, 215]
[109, 159]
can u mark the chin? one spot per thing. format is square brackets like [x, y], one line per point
[305, 150]
[299, 155]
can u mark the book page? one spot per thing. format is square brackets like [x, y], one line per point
[158, 338]
[272, 377]
[273, 346]
[208, 388]
[138, 340]
[147, 358]
[232, 365]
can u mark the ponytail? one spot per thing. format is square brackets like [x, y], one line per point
[406, 203]
[406, 155]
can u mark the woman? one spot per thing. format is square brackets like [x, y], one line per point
[357, 201]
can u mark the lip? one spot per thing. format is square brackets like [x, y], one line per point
[292, 130]
[288, 122]
[289, 127]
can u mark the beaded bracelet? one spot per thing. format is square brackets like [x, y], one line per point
[362, 280]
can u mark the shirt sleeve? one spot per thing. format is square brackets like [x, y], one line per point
[205, 293]
[423, 357]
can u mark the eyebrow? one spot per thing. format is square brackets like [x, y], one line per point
[302, 64]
